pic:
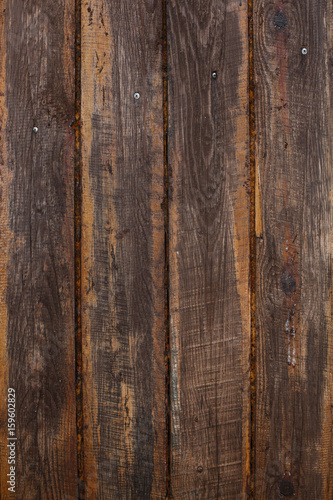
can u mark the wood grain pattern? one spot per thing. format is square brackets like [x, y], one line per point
[209, 248]
[123, 249]
[36, 239]
[294, 259]
[167, 199]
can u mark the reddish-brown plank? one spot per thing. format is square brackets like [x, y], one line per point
[209, 248]
[36, 241]
[123, 249]
[294, 248]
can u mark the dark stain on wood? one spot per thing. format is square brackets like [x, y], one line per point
[280, 21]
[286, 488]
[288, 282]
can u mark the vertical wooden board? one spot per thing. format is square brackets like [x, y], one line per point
[209, 248]
[294, 248]
[123, 249]
[36, 240]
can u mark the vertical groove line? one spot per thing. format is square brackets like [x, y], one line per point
[166, 236]
[251, 86]
[77, 253]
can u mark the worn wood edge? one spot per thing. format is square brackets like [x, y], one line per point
[77, 255]
[159, 190]
[254, 228]
[243, 239]
[6, 238]
[89, 390]
[166, 255]
[326, 444]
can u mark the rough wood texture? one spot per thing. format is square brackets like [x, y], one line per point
[36, 240]
[193, 61]
[123, 250]
[294, 266]
[209, 248]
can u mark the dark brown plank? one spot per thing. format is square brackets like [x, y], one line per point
[123, 249]
[294, 249]
[209, 248]
[36, 240]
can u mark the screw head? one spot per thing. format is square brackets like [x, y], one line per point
[35, 130]
[136, 96]
[214, 75]
[304, 51]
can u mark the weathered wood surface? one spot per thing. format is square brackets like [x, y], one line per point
[209, 248]
[36, 245]
[133, 235]
[123, 250]
[294, 249]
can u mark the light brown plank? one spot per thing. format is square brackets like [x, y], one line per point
[123, 250]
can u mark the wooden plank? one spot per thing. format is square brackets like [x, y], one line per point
[36, 240]
[123, 249]
[294, 249]
[209, 248]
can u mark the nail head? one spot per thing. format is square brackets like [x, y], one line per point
[35, 129]
[214, 75]
[304, 51]
[136, 95]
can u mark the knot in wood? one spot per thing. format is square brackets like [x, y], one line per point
[280, 21]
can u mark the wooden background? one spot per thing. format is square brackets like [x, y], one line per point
[166, 248]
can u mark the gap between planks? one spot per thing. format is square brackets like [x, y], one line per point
[77, 254]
